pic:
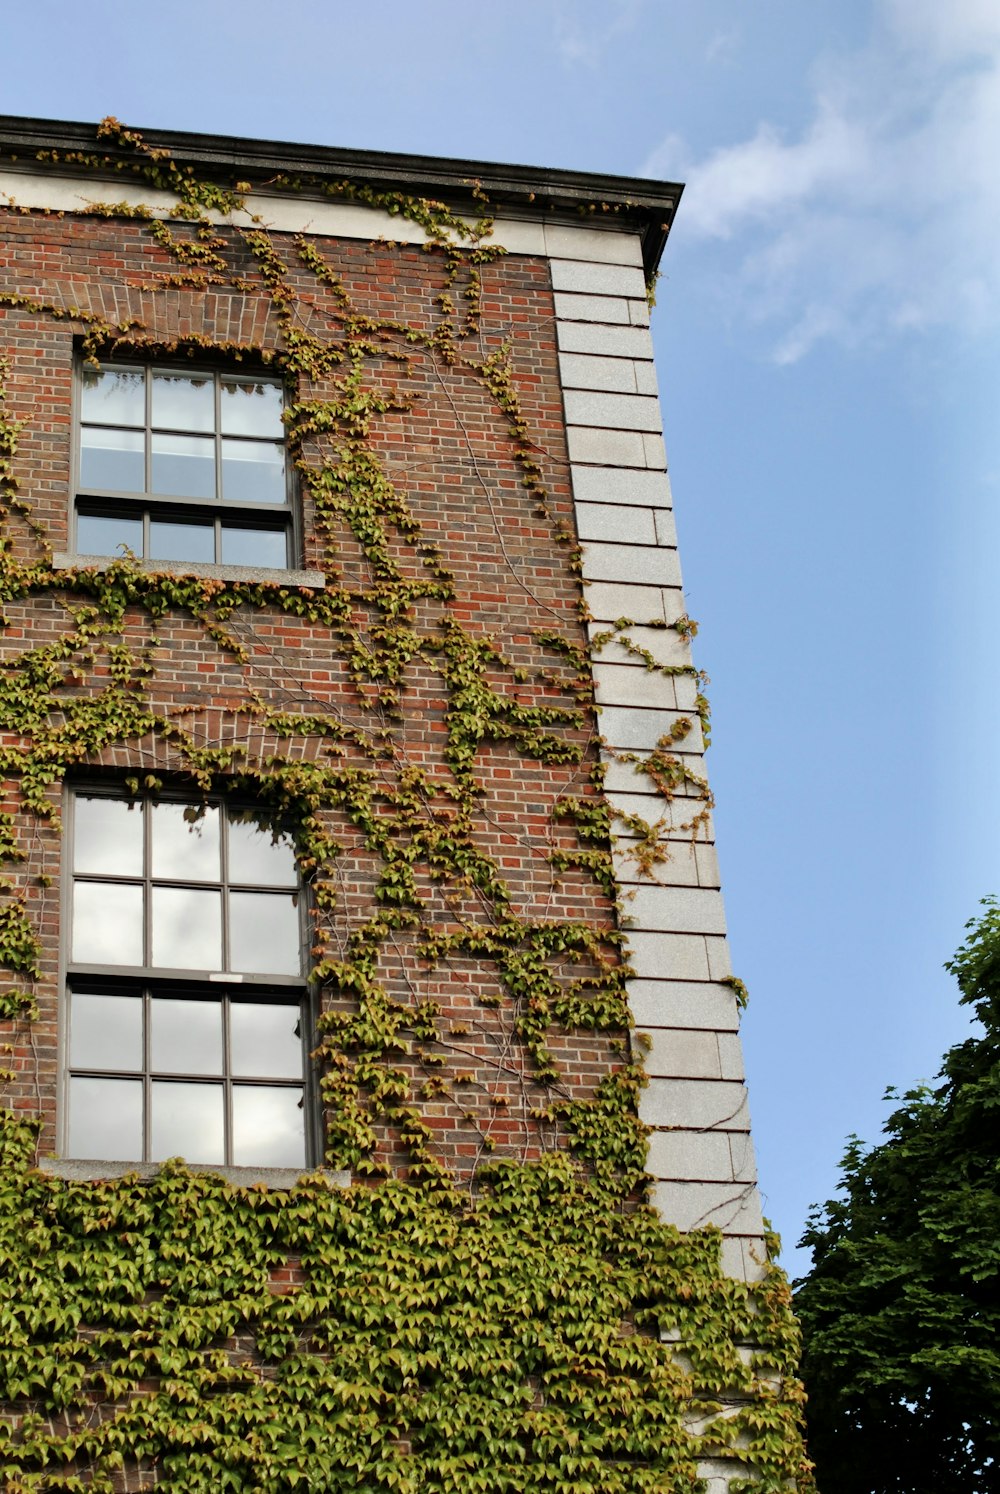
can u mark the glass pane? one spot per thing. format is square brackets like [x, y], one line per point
[187, 1122]
[107, 923]
[264, 933]
[266, 547]
[107, 836]
[114, 461]
[268, 1128]
[183, 465]
[105, 1119]
[251, 409]
[116, 396]
[185, 1036]
[183, 402]
[253, 472]
[258, 854]
[105, 1032]
[266, 1039]
[168, 541]
[187, 929]
[107, 534]
[185, 842]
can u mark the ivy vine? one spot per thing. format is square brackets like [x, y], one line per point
[528, 1323]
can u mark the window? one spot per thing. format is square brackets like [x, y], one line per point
[187, 1020]
[181, 466]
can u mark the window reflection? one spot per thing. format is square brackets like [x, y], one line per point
[266, 1040]
[267, 1126]
[107, 924]
[105, 1031]
[107, 836]
[187, 928]
[186, 1120]
[185, 841]
[263, 933]
[105, 1119]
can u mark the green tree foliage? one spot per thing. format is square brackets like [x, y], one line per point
[901, 1312]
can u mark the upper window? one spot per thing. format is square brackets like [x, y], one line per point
[182, 465]
[187, 1019]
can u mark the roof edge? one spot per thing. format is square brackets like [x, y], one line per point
[648, 204]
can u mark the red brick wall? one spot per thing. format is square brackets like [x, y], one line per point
[449, 453]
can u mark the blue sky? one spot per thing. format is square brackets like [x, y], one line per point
[829, 350]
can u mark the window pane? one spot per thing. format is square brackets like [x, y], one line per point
[185, 842]
[105, 1119]
[264, 933]
[243, 546]
[107, 923]
[183, 402]
[116, 396]
[187, 929]
[107, 836]
[258, 855]
[169, 541]
[107, 534]
[266, 1040]
[268, 1128]
[105, 1032]
[112, 460]
[253, 472]
[185, 1036]
[183, 465]
[251, 409]
[187, 1122]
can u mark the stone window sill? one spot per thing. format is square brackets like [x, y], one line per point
[313, 579]
[87, 1170]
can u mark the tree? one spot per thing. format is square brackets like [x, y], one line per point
[901, 1310]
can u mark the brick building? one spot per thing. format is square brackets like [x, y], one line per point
[335, 499]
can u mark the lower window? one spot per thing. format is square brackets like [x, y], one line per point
[160, 1073]
[187, 1021]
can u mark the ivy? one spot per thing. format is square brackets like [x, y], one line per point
[530, 1324]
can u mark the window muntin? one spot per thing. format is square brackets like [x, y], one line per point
[208, 1065]
[182, 466]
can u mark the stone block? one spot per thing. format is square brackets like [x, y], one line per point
[655, 956]
[638, 312]
[616, 524]
[741, 1151]
[645, 379]
[663, 645]
[623, 684]
[635, 565]
[655, 451]
[597, 279]
[678, 869]
[719, 964]
[609, 309]
[609, 601]
[732, 1207]
[695, 1104]
[616, 246]
[630, 727]
[684, 1054]
[707, 860]
[605, 447]
[678, 910]
[629, 778]
[666, 528]
[633, 487]
[608, 341]
[681, 1003]
[621, 412]
[585, 371]
[731, 1054]
[694, 1156]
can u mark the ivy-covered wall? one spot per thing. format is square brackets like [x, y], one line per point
[491, 1304]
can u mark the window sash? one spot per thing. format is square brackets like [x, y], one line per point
[256, 530]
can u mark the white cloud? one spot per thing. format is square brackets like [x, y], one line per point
[582, 39]
[881, 215]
